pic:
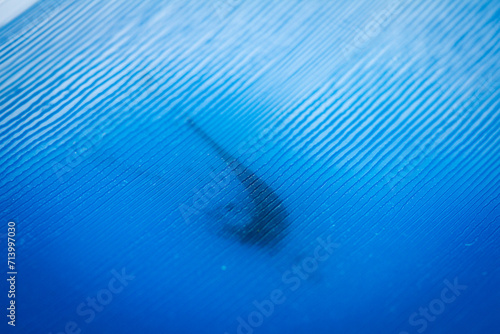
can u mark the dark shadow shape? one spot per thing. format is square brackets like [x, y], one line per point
[269, 223]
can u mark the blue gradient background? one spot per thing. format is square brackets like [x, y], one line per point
[376, 122]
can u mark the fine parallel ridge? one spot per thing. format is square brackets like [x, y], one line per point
[368, 119]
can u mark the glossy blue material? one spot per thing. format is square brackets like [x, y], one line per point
[375, 123]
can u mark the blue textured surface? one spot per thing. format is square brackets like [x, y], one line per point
[377, 123]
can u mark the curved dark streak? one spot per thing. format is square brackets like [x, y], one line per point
[269, 222]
